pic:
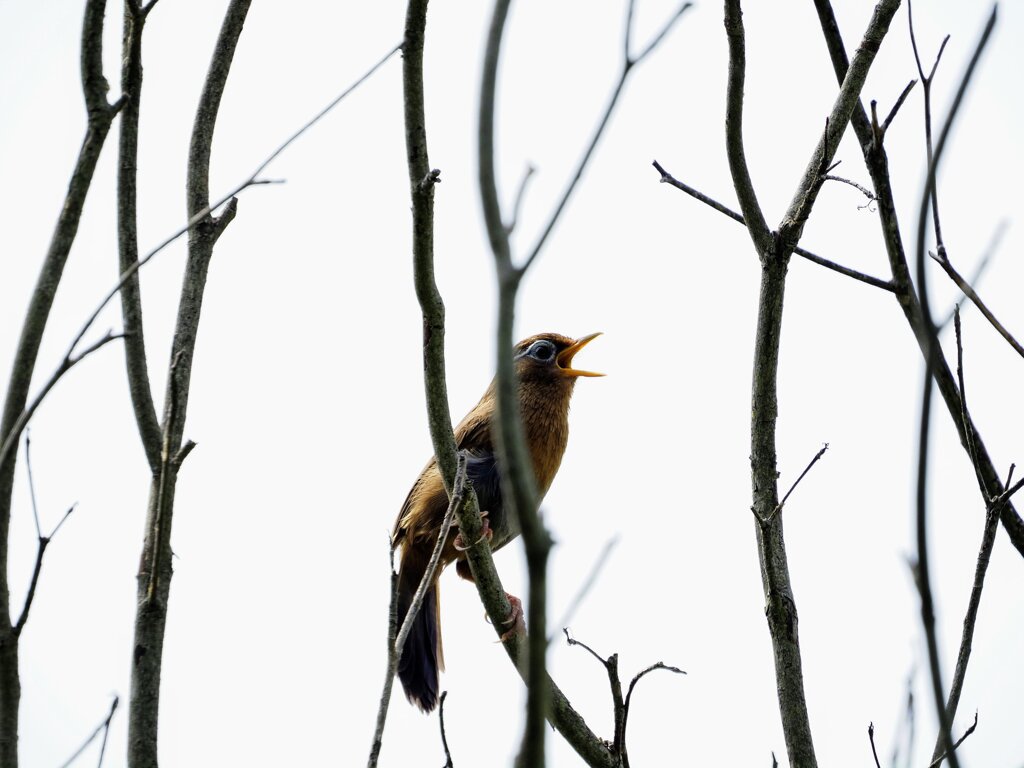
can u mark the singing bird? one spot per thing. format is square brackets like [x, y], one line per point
[543, 365]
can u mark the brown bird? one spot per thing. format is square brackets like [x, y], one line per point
[546, 379]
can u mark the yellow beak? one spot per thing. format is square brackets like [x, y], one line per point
[565, 357]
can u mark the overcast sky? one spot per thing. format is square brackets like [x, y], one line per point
[307, 402]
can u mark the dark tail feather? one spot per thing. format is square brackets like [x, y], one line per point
[421, 657]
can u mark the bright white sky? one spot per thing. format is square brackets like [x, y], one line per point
[307, 402]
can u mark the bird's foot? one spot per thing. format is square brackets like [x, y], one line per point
[515, 622]
[485, 533]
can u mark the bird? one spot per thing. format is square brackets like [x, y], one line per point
[545, 382]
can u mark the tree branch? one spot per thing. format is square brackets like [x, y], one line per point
[922, 570]
[774, 253]
[396, 640]
[878, 166]
[100, 114]
[127, 235]
[752, 215]
[628, 63]
[155, 566]
[103, 728]
[846, 101]
[667, 178]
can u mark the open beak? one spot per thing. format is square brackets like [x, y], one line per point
[565, 357]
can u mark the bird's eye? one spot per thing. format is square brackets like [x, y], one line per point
[543, 351]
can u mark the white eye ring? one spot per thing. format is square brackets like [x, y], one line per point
[543, 350]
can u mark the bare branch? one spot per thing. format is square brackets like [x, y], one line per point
[136, 362]
[629, 696]
[395, 648]
[100, 114]
[906, 723]
[11, 440]
[871, 738]
[628, 64]
[986, 259]
[877, 164]
[752, 215]
[656, 40]
[205, 212]
[792, 488]
[155, 570]
[103, 728]
[454, 504]
[896, 107]
[667, 178]
[32, 484]
[520, 195]
[970, 293]
[922, 570]
[860, 187]
[602, 559]
[938, 761]
[847, 100]
[444, 737]
[43, 543]
[972, 450]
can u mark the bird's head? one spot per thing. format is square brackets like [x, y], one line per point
[548, 356]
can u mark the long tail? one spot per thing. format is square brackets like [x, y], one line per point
[422, 656]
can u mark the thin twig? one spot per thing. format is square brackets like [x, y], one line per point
[455, 503]
[878, 166]
[906, 724]
[871, 738]
[444, 737]
[972, 450]
[896, 107]
[520, 196]
[32, 483]
[922, 570]
[66, 365]
[629, 697]
[201, 215]
[588, 583]
[43, 543]
[938, 761]
[983, 263]
[792, 488]
[847, 100]
[570, 640]
[926, 85]
[628, 63]
[863, 190]
[667, 178]
[970, 293]
[103, 728]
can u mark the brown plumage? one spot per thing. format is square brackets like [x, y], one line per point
[546, 380]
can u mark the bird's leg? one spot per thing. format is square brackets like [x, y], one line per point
[485, 533]
[515, 622]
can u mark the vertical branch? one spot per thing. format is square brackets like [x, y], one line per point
[100, 115]
[155, 565]
[923, 575]
[422, 181]
[741, 181]
[774, 250]
[878, 167]
[517, 480]
[127, 234]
